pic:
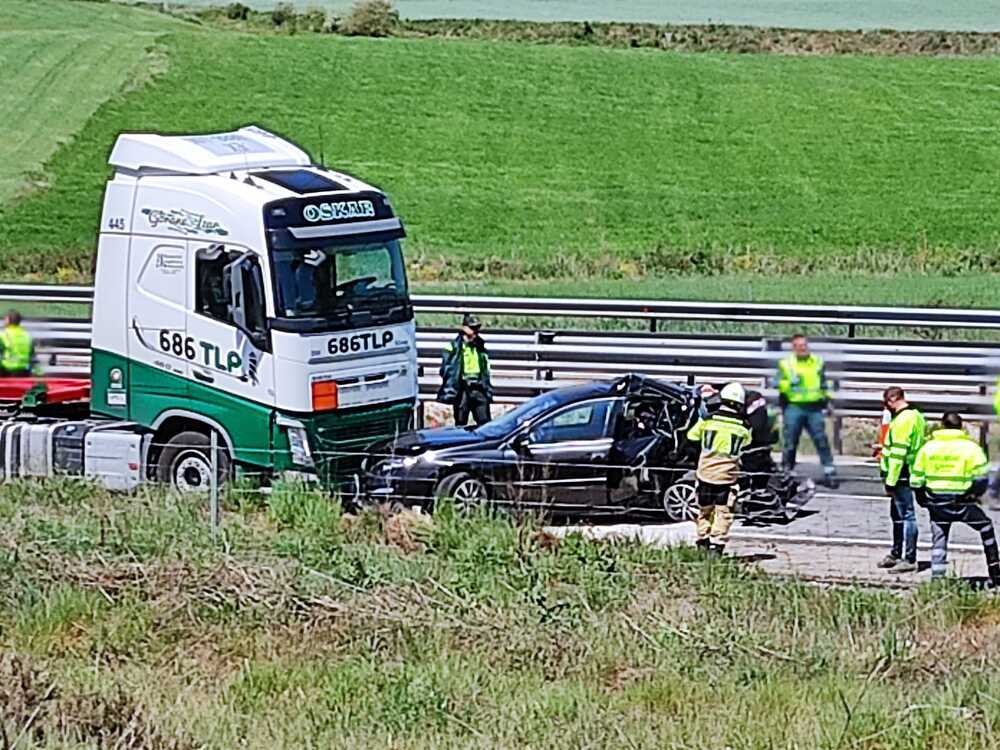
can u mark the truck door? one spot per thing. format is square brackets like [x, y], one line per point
[156, 319]
[227, 343]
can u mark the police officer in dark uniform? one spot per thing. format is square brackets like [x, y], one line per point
[465, 374]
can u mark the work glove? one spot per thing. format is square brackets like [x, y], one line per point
[921, 496]
[890, 491]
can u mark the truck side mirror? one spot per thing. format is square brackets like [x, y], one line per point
[242, 280]
[233, 279]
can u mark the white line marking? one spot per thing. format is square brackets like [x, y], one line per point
[835, 496]
[841, 541]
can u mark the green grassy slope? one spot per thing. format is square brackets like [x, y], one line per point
[59, 62]
[543, 161]
[123, 624]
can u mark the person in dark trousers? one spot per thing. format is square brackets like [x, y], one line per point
[465, 374]
[755, 459]
[803, 395]
[905, 438]
[17, 350]
[949, 475]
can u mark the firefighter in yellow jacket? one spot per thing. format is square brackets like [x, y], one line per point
[722, 437]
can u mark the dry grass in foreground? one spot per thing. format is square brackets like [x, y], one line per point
[124, 624]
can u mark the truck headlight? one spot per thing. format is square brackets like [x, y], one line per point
[298, 442]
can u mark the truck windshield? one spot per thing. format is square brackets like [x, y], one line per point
[328, 281]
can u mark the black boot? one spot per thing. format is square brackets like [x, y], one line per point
[716, 550]
[703, 545]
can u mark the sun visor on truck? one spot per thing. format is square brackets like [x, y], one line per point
[336, 219]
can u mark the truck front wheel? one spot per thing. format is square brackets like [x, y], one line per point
[186, 463]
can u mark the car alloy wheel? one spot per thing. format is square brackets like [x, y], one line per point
[680, 501]
[469, 493]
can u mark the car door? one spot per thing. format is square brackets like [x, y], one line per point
[638, 443]
[565, 456]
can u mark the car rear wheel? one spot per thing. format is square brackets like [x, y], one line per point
[465, 490]
[680, 500]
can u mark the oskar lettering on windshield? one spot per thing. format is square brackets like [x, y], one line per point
[203, 352]
[360, 342]
[338, 211]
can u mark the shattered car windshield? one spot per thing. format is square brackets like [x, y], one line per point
[324, 281]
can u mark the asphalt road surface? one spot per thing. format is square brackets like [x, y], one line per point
[839, 536]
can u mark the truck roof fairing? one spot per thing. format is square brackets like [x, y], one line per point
[247, 148]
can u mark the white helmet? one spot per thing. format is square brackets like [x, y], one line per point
[733, 392]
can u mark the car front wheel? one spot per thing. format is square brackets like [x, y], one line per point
[465, 490]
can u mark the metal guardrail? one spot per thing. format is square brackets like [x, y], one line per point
[46, 293]
[849, 316]
[946, 375]
[736, 312]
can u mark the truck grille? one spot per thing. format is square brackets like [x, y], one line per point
[341, 439]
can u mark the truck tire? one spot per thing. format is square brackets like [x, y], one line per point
[185, 463]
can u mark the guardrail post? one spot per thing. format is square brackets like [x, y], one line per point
[542, 338]
[652, 325]
[984, 425]
[418, 408]
[838, 425]
[838, 437]
[850, 330]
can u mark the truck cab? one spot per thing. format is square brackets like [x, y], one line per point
[242, 290]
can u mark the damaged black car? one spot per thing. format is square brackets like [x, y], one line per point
[598, 449]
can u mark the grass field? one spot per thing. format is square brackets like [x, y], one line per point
[519, 162]
[59, 62]
[123, 624]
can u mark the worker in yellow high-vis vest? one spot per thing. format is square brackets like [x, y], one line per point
[17, 350]
[904, 438]
[465, 374]
[994, 489]
[802, 393]
[949, 476]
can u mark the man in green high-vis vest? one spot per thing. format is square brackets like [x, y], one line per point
[17, 350]
[465, 374]
[802, 392]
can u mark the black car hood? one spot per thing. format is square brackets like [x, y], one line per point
[412, 443]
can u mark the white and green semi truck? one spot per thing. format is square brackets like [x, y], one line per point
[241, 290]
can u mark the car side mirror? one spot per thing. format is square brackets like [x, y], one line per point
[520, 443]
